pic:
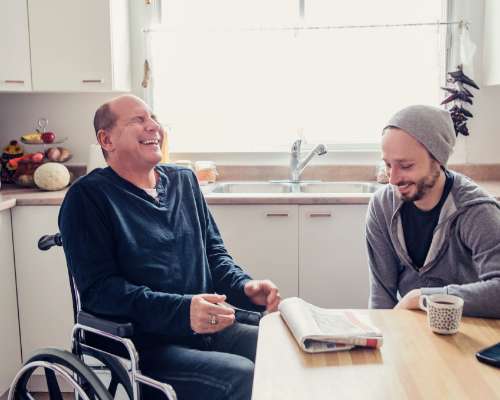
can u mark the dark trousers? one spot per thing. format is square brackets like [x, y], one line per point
[218, 366]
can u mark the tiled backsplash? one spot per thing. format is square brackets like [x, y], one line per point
[478, 172]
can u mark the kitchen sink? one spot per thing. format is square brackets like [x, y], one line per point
[301, 187]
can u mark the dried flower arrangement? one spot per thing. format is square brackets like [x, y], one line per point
[458, 95]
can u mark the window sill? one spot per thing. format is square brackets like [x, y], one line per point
[335, 156]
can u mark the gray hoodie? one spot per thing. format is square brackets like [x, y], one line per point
[463, 259]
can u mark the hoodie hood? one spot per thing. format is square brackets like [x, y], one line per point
[463, 194]
[466, 193]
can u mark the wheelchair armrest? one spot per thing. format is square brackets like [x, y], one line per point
[247, 317]
[121, 329]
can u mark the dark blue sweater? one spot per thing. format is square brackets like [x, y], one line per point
[142, 259]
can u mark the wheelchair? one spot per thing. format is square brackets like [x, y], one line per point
[119, 357]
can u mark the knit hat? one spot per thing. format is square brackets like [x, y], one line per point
[430, 126]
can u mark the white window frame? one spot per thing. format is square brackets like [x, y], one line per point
[366, 153]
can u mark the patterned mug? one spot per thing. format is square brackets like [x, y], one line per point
[444, 312]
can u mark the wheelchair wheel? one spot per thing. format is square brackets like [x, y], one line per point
[68, 367]
[119, 376]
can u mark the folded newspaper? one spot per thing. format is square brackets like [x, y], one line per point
[319, 329]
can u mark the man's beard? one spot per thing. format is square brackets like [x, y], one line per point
[423, 186]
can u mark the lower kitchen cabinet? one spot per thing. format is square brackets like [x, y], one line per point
[263, 239]
[45, 309]
[333, 262]
[10, 350]
[316, 252]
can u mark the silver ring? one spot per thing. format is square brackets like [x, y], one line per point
[212, 320]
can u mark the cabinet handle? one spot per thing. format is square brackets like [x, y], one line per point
[320, 215]
[92, 81]
[276, 214]
[13, 81]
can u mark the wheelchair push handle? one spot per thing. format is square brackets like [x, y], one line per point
[48, 241]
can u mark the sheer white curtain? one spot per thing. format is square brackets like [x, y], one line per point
[252, 75]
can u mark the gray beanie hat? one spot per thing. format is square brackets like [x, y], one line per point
[431, 126]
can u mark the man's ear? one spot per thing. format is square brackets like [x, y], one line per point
[104, 139]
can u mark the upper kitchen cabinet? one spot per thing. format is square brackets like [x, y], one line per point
[491, 38]
[15, 74]
[79, 45]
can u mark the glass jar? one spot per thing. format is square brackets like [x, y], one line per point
[381, 173]
[206, 172]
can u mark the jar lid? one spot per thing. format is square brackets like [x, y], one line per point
[204, 165]
[184, 163]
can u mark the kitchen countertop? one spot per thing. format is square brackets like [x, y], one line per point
[11, 196]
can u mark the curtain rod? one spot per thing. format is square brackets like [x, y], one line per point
[461, 23]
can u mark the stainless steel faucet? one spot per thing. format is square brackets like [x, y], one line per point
[297, 165]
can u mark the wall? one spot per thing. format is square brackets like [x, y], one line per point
[68, 114]
[71, 114]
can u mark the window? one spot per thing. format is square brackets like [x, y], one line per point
[254, 75]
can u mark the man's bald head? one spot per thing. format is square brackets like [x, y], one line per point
[106, 116]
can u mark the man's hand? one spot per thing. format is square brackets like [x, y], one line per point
[207, 316]
[263, 293]
[410, 300]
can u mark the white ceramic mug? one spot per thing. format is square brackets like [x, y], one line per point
[444, 312]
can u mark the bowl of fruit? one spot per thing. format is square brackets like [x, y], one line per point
[24, 167]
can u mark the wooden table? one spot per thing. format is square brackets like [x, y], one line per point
[413, 363]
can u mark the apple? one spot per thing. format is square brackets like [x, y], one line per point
[48, 137]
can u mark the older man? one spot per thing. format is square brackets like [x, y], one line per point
[142, 245]
[431, 230]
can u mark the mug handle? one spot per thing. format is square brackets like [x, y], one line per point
[422, 302]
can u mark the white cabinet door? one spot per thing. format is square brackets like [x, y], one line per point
[45, 309]
[79, 45]
[491, 43]
[15, 73]
[333, 264]
[262, 239]
[10, 350]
